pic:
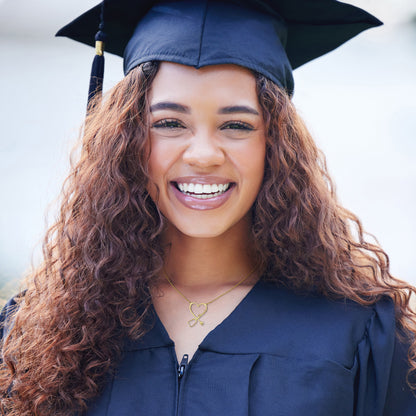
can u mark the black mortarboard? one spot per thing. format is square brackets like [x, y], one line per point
[272, 37]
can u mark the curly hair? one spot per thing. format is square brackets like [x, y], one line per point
[102, 255]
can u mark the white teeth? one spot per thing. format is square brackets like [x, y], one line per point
[203, 191]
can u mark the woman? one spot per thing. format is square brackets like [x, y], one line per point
[201, 262]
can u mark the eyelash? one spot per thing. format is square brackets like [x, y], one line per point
[175, 124]
[168, 124]
[237, 125]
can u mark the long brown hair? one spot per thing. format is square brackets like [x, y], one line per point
[100, 257]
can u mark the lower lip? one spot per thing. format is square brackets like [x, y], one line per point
[202, 204]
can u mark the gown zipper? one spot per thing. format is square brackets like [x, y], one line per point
[181, 373]
[182, 367]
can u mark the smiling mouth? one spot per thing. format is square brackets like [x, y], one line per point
[203, 191]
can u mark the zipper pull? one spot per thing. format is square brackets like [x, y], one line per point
[182, 366]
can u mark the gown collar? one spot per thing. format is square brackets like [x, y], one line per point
[225, 337]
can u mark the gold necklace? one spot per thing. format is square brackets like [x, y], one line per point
[195, 307]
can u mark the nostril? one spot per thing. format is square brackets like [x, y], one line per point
[204, 157]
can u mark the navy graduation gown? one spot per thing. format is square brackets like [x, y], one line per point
[277, 354]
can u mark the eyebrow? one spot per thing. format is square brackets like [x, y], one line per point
[166, 105]
[180, 108]
[238, 109]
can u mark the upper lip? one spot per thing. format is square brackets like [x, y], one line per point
[208, 180]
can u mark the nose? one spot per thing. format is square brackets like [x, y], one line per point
[203, 151]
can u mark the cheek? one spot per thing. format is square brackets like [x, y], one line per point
[157, 169]
[253, 159]
[256, 172]
[164, 155]
[159, 161]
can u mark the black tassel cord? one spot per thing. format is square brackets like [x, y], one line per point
[97, 70]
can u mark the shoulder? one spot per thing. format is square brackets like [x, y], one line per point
[312, 309]
[7, 313]
[317, 310]
[331, 329]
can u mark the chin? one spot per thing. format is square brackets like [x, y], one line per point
[209, 227]
[200, 232]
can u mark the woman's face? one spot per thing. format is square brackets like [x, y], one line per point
[207, 147]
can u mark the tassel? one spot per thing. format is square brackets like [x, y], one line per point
[97, 70]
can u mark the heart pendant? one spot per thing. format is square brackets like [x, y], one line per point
[198, 310]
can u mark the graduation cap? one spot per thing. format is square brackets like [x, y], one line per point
[272, 37]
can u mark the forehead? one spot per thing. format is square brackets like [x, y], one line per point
[224, 83]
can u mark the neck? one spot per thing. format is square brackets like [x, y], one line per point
[200, 263]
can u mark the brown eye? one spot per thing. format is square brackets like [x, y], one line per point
[237, 125]
[168, 124]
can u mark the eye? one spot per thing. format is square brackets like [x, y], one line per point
[237, 125]
[168, 124]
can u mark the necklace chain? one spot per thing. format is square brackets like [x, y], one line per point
[198, 310]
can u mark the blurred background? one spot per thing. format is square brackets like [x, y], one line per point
[358, 101]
